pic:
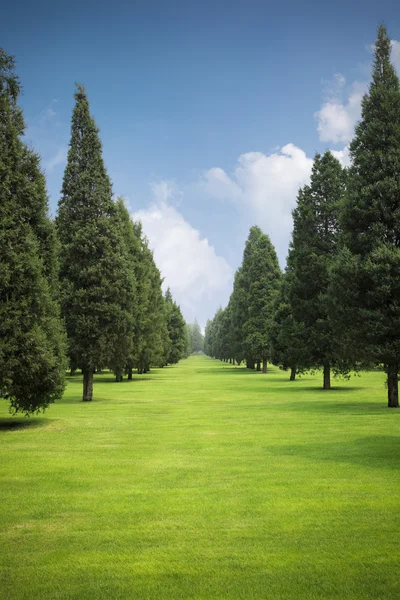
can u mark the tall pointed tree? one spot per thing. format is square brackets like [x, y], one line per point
[97, 286]
[261, 274]
[32, 351]
[314, 246]
[365, 289]
[176, 329]
[287, 336]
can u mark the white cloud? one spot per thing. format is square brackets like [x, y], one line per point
[199, 279]
[336, 118]
[396, 54]
[268, 186]
[343, 156]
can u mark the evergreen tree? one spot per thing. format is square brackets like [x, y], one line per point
[365, 289]
[287, 336]
[239, 316]
[197, 339]
[32, 364]
[123, 357]
[151, 340]
[97, 285]
[208, 337]
[176, 329]
[313, 248]
[261, 274]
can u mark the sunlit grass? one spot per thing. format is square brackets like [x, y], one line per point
[203, 481]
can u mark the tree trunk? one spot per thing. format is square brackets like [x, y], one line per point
[259, 365]
[87, 385]
[292, 373]
[250, 364]
[72, 372]
[265, 367]
[129, 373]
[393, 386]
[327, 376]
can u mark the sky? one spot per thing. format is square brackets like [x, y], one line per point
[209, 112]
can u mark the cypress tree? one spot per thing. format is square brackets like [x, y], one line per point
[261, 274]
[365, 289]
[32, 350]
[176, 329]
[287, 336]
[197, 339]
[314, 246]
[96, 282]
[150, 330]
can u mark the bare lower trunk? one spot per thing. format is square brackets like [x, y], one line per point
[250, 364]
[72, 372]
[259, 365]
[129, 373]
[393, 386]
[87, 386]
[265, 367]
[327, 376]
[292, 373]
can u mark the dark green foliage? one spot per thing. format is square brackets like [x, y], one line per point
[365, 289]
[96, 278]
[151, 341]
[32, 351]
[260, 274]
[176, 330]
[242, 329]
[313, 248]
[287, 336]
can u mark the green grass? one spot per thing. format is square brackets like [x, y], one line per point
[203, 481]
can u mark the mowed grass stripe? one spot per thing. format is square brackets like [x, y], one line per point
[203, 480]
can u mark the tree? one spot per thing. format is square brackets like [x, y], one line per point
[197, 340]
[287, 336]
[97, 287]
[151, 339]
[123, 358]
[261, 275]
[176, 329]
[365, 287]
[314, 246]
[32, 350]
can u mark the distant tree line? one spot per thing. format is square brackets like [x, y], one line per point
[337, 305]
[83, 290]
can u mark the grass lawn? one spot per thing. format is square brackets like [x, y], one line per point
[203, 481]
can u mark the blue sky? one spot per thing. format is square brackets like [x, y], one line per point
[209, 112]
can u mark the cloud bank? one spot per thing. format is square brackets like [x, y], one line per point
[198, 278]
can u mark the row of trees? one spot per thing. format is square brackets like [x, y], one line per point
[337, 306]
[83, 290]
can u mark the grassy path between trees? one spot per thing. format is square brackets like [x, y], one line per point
[203, 481]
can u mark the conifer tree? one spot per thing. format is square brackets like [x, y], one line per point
[197, 339]
[123, 357]
[176, 329]
[96, 282]
[365, 288]
[150, 331]
[314, 246]
[32, 350]
[287, 336]
[261, 274]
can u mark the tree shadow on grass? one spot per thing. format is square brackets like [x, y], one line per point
[14, 423]
[380, 451]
